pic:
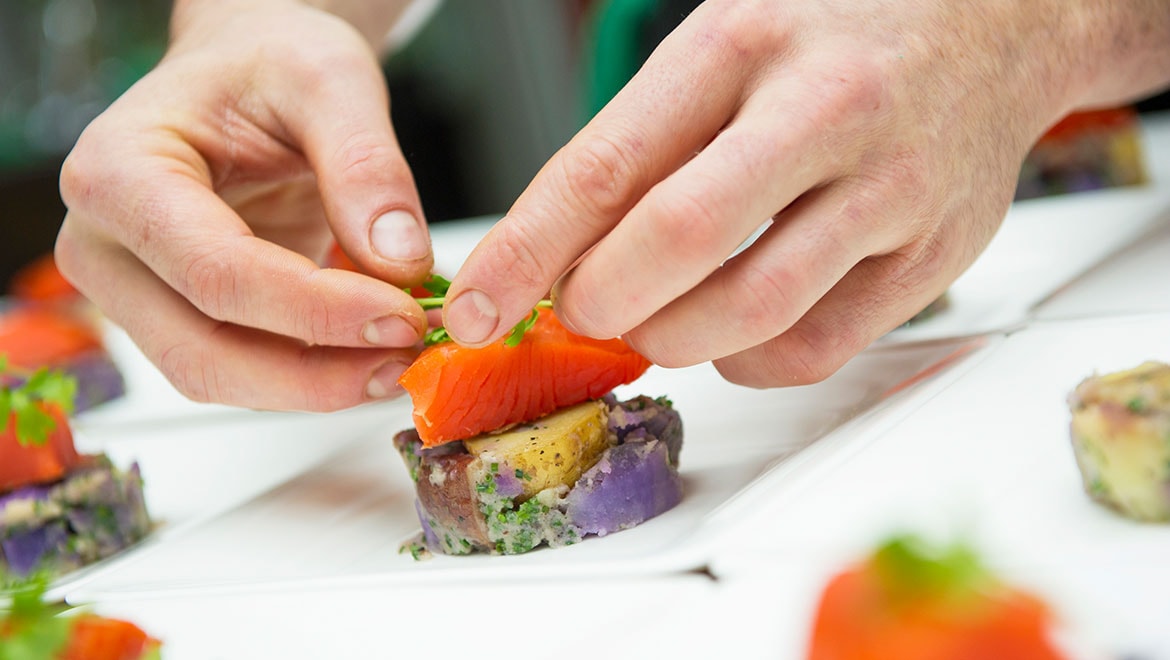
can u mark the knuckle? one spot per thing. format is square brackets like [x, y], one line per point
[192, 372]
[322, 68]
[599, 172]
[732, 371]
[767, 302]
[312, 318]
[520, 253]
[74, 181]
[809, 354]
[365, 157]
[688, 216]
[658, 349]
[801, 356]
[892, 193]
[584, 308]
[860, 87]
[737, 32]
[208, 280]
[928, 262]
[902, 274]
[67, 250]
[908, 176]
[80, 177]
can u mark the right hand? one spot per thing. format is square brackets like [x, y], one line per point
[201, 202]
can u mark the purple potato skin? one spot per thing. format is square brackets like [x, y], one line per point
[98, 380]
[24, 550]
[634, 480]
[93, 513]
[631, 484]
[450, 502]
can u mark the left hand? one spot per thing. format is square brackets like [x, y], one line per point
[882, 139]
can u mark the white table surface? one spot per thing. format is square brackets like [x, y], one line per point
[281, 529]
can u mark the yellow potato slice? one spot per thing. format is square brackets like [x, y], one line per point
[550, 451]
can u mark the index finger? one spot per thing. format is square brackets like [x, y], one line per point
[166, 214]
[650, 128]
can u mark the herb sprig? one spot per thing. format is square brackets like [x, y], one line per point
[437, 286]
[22, 395]
[32, 627]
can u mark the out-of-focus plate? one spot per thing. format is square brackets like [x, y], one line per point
[573, 619]
[680, 616]
[988, 459]
[343, 521]
[207, 465]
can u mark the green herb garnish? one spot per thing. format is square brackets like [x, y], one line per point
[517, 333]
[437, 286]
[33, 628]
[911, 569]
[23, 395]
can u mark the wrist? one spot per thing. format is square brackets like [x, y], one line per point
[193, 20]
[1124, 47]
[372, 19]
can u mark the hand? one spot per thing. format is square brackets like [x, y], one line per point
[202, 201]
[881, 139]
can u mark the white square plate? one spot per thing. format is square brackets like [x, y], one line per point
[988, 459]
[343, 521]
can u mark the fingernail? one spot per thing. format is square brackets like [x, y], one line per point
[384, 382]
[398, 236]
[393, 331]
[472, 317]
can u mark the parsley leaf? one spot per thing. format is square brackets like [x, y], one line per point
[33, 629]
[517, 334]
[25, 397]
[436, 336]
[438, 286]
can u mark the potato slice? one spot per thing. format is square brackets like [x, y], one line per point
[550, 451]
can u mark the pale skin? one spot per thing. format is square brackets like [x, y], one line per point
[881, 138]
[202, 201]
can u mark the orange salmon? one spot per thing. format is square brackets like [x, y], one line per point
[460, 392]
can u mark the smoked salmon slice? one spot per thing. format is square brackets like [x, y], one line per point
[40, 281]
[25, 463]
[35, 336]
[460, 392]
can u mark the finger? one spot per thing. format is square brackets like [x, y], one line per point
[765, 289]
[341, 118]
[650, 128]
[212, 361]
[878, 295]
[686, 226]
[190, 238]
